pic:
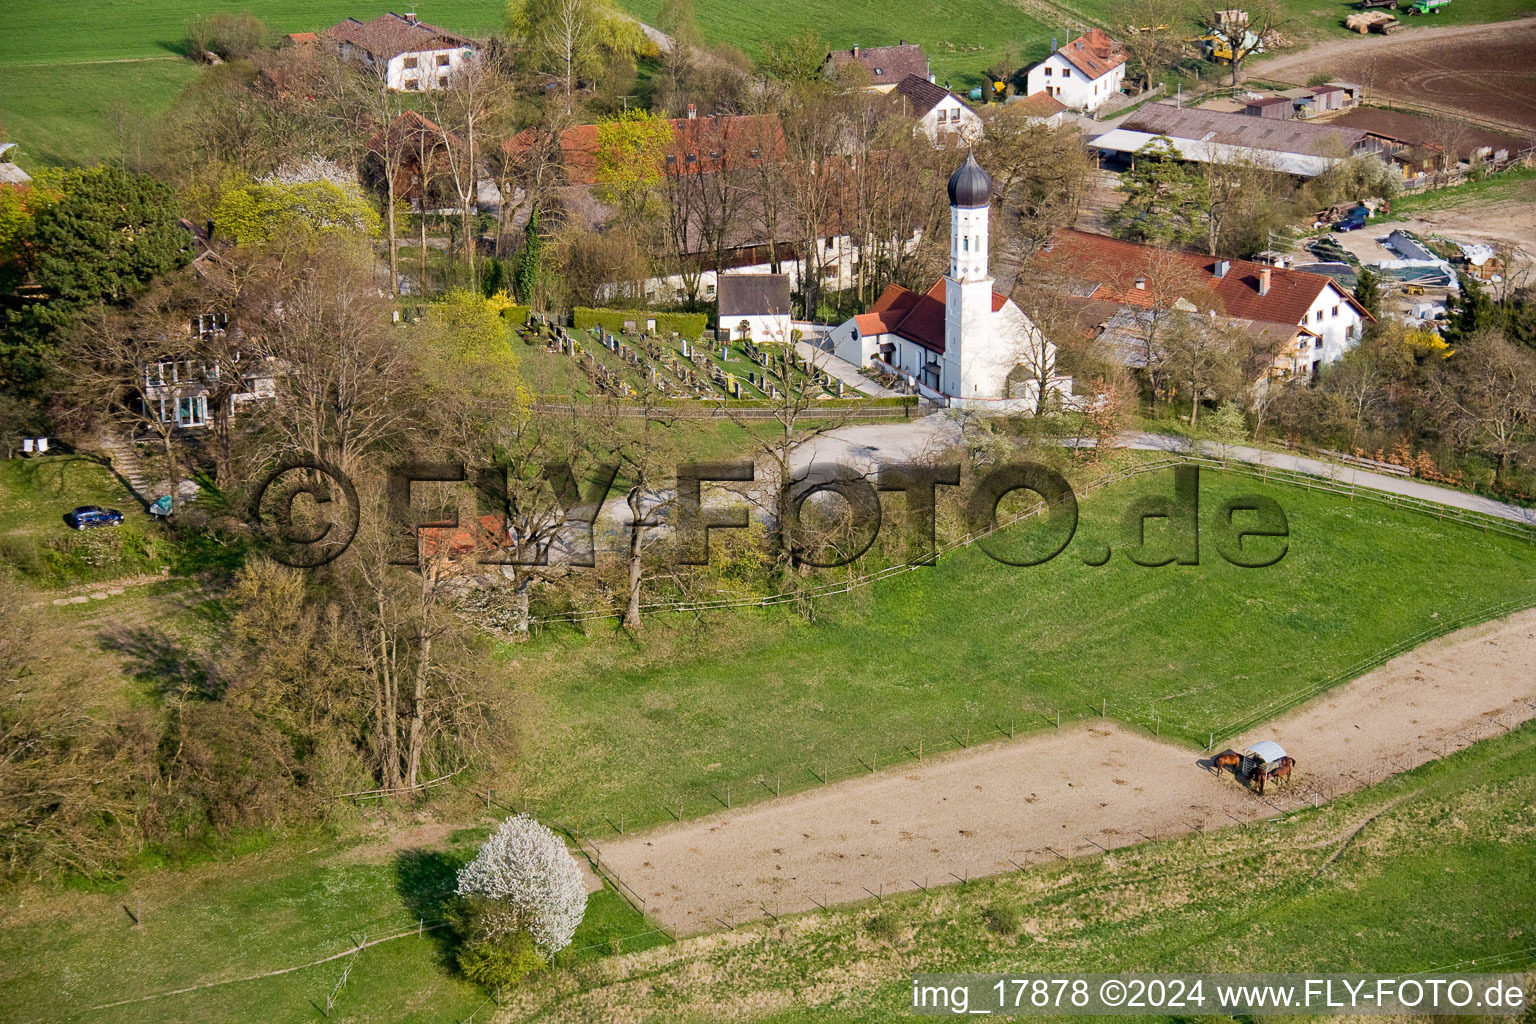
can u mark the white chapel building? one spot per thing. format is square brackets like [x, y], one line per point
[960, 342]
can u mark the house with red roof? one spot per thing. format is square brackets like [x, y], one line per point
[961, 342]
[1300, 321]
[1084, 74]
[409, 54]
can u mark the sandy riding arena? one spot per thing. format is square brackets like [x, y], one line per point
[1068, 793]
[1484, 71]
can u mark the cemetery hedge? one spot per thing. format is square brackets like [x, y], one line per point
[517, 314]
[687, 325]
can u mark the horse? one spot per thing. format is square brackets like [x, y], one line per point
[1284, 769]
[1227, 759]
[1281, 771]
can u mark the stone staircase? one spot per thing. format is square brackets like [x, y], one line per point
[126, 464]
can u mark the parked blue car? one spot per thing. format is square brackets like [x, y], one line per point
[1354, 221]
[87, 516]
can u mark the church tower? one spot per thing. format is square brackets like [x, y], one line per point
[969, 321]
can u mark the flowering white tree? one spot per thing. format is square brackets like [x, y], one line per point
[525, 870]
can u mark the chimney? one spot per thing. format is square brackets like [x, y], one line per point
[693, 111]
[1222, 266]
[1264, 281]
[902, 43]
[1053, 44]
[855, 51]
[410, 16]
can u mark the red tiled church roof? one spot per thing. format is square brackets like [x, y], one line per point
[919, 318]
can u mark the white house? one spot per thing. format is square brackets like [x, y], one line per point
[938, 111]
[178, 390]
[960, 342]
[1084, 74]
[754, 306]
[414, 56]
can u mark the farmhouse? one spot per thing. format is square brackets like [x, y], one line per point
[938, 111]
[1295, 147]
[1420, 143]
[886, 66]
[960, 342]
[1084, 74]
[1301, 321]
[411, 55]
[1040, 107]
[754, 306]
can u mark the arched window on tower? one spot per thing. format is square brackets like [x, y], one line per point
[966, 243]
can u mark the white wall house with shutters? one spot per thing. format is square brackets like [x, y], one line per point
[1072, 86]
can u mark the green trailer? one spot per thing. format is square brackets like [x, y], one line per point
[1426, 6]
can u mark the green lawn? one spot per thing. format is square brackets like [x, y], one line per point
[620, 725]
[66, 104]
[1517, 183]
[90, 30]
[74, 115]
[972, 648]
[289, 906]
[1424, 871]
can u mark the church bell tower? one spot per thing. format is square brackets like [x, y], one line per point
[968, 315]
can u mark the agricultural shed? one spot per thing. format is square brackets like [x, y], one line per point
[1125, 143]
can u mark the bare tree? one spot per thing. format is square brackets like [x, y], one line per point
[643, 440]
[140, 370]
[1486, 397]
[1206, 355]
[1244, 32]
[794, 421]
[345, 376]
[1153, 39]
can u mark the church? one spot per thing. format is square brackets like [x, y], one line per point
[960, 342]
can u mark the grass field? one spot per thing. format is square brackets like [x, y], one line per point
[1426, 870]
[621, 724]
[282, 908]
[753, 699]
[74, 80]
[1430, 868]
[1517, 183]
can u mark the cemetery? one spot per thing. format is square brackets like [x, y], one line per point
[625, 364]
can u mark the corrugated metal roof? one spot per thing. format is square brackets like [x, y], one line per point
[1303, 165]
[1267, 751]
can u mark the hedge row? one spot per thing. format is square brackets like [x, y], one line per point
[517, 314]
[687, 325]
